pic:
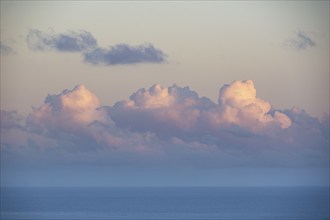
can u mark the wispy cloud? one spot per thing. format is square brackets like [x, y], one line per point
[168, 125]
[125, 54]
[301, 41]
[5, 49]
[66, 42]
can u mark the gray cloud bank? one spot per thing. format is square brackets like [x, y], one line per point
[166, 126]
[83, 41]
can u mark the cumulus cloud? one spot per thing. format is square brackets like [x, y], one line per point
[5, 49]
[77, 118]
[125, 54]
[164, 110]
[301, 41]
[72, 114]
[66, 42]
[162, 125]
[73, 107]
[176, 109]
[240, 106]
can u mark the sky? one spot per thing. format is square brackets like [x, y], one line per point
[165, 93]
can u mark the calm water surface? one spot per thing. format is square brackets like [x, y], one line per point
[266, 203]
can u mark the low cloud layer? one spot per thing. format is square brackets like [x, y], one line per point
[301, 41]
[168, 125]
[84, 42]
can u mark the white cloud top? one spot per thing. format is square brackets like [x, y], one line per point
[241, 106]
[70, 109]
[160, 106]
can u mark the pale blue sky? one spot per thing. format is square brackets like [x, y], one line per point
[208, 44]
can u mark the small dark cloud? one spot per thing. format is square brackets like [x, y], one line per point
[125, 54]
[65, 42]
[83, 41]
[5, 49]
[301, 42]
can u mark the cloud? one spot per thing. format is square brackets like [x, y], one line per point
[10, 119]
[75, 121]
[71, 116]
[167, 125]
[125, 54]
[239, 105]
[65, 42]
[70, 110]
[301, 42]
[83, 41]
[5, 49]
[176, 109]
[162, 110]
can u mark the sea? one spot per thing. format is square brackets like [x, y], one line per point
[160, 203]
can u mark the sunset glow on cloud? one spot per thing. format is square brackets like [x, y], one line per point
[71, 108]
[242, 107]
[170, 123]
[182, 109]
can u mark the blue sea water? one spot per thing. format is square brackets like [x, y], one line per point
[146, 203]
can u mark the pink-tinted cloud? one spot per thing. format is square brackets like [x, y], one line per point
[163, 125]
[240, 106]
[70, 111]
[182, 110]
[163, 110]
